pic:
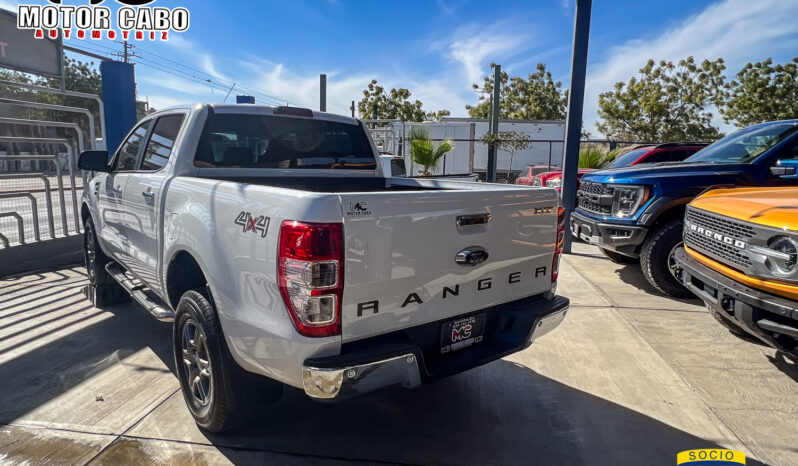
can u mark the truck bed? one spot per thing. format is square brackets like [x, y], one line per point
[325, 184]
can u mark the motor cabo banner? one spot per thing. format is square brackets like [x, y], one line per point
[99, 22]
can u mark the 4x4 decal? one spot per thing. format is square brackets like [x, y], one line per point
[254, 224]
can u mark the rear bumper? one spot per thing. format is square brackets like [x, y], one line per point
[624, 239]
[768, 317]
[411, 357]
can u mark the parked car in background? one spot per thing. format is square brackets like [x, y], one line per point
[740, 257]
[527, 175]
[284, 255]
[553, 179]
[637, 212]
[669, 152]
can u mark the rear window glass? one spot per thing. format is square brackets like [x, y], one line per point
[270, 141]
[628, 158]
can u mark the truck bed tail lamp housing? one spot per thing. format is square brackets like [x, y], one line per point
[311, 276]
[555, 263]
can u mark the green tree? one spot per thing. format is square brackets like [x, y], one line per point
[538, 97]
[665, 103]
[762, 92]
[508, 141]
[395, 104]
[423, 150]
[594, 156]
[79, 76]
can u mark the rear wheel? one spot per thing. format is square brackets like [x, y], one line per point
[103, 290]
[216, 390]
[617, 257]
[658, 261]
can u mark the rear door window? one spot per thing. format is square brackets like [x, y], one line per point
[659, 156]
[162, 140]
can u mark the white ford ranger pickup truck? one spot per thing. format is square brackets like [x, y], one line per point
[272, 240]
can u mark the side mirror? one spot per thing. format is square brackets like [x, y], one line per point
[94, 161]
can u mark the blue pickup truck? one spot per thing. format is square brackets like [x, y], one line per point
[637, 212]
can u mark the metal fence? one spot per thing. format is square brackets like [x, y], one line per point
[40, 183]
[470, 154]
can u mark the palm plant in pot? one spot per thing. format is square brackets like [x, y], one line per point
[424, 152]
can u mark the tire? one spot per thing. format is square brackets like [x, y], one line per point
[656, 260]
[617, 257]
[103, 290]
[218, 393]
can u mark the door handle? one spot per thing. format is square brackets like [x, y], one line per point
[148, 194]
[475, 219]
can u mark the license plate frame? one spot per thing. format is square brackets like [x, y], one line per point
[462, 332]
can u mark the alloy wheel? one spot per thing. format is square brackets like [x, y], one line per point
[672, 260]
[199, 373]
[91, 254]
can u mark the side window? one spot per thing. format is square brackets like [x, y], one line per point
[161, 142]
[679, 155]
[791, 153]
[661, 156]
[129, 151]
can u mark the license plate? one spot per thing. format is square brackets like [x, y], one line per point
[462, 332]
[583, 232]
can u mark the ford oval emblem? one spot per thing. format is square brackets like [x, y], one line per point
[471, 256]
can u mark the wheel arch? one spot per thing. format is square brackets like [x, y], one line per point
[85, 212]
[183, 273]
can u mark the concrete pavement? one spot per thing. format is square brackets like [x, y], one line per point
[630, 377]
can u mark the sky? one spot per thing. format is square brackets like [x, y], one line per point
[437, 49]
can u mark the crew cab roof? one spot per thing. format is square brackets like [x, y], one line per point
[247, 109]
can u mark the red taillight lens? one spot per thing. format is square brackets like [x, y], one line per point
[555, 263]
[310, 267]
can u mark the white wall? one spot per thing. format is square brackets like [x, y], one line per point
[544, 134]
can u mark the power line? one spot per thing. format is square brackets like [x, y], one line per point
[221, 80]
[214, 84]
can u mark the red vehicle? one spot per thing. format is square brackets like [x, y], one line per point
[670, 152]
[526, 175]
[553, 179]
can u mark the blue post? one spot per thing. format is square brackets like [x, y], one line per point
[119, 99]
[573, 128]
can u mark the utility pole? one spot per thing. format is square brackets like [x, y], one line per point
[573, 128]
[323, 92]
[353, 109]
[494, 122]
[125, 54]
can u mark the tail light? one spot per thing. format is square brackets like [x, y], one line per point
[555, 263]
[311, 275]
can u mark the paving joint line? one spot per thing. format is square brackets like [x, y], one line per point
[119, 436]
[265, 450]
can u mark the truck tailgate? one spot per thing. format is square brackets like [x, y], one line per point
[400, 249]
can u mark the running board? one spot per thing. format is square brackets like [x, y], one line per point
[155, 308]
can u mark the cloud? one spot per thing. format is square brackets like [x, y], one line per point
[493, 43]
[7, 5]
[160, 102]
[464, 58]
[738, 31]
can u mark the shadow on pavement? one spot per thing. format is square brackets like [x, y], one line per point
[502, 413]
[787, 364]
[632, 274]
[42, 374]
